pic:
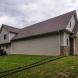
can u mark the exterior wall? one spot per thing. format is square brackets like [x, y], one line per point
[4, 31]
[48, 45]
[73, 22]
[64, 48]
[8, 50]
[62, 39]
[11, 35]
[66, 36]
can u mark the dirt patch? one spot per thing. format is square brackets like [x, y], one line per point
[63, 75]
[72, 67]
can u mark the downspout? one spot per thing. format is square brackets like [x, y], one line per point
[59, 41]
[11, 48]
[10, 42]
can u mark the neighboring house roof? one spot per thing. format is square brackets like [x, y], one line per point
[75, 29]
[48, 26]
[10, 28]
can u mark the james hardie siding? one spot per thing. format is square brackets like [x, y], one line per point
[63, 38]
[11, 35]
[4, 31]
[73, 22]
[66, 36]
[48, 45]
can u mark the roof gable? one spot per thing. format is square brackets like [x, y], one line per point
[10, 29]
[48, 26]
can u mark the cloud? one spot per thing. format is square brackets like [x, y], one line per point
[5, 19]
[22, 13]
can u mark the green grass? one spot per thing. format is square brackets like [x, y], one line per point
[66, 67]
[14, 61]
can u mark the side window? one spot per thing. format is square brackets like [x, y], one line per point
[67, 42]
[5, 36]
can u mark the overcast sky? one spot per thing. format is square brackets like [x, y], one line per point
[22, 13]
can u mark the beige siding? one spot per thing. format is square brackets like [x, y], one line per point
[62, 39]
[48, 45]
[4, 31]
[73, 22]
[66, 36]
[11, 35]
[8, 50]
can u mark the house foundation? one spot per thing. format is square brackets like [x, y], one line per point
[64, 50]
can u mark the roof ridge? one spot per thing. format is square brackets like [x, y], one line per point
[10, 26]
[50, 18]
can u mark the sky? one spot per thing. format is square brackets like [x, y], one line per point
[23, 13]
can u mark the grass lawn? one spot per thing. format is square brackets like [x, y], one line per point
[66, 67]
[14, 61]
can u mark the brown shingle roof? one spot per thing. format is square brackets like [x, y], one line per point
[51, 25]
[11, 29]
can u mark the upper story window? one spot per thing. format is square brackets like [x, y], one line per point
[5, 36]
[70, 24]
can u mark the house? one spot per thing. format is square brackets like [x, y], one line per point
[56, 36]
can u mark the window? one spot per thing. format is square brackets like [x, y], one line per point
[6, 46]
[5, 36]
[70, 24]
[67, 42]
